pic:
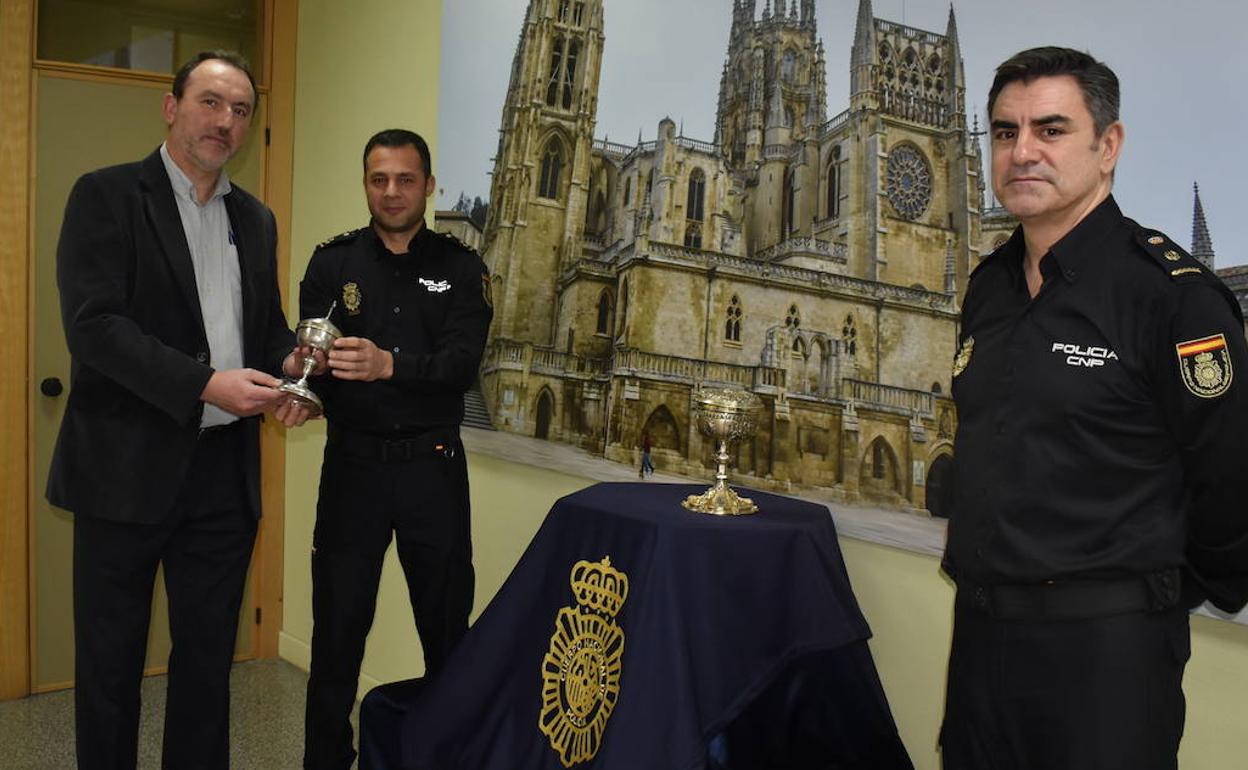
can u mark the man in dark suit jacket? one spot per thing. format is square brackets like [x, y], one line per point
[169, 296]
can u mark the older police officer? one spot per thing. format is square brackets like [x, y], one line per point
[1102, 439]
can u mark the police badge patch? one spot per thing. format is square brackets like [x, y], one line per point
[1206, 365]
[581, 672]
[351, 298]
[964, 356]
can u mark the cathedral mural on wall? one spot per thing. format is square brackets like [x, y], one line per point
[817, 260]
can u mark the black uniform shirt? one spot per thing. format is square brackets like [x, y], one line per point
[1103, 425]
[429, 307]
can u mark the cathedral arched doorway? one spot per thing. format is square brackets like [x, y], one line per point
[663, 430]
[938, 479]
[879, 476]
[545, 411]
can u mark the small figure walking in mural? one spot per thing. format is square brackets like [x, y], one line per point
[647, 467]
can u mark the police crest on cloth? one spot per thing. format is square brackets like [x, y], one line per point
[581, 671]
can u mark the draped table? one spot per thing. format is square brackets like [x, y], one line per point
[636, 635]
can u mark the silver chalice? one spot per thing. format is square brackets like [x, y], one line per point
[313, 334]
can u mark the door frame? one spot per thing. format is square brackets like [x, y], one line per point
[17, 29]
[18, 70]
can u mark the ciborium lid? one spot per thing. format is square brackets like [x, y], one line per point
[728, 399]
[318, 332]
[726, 413]
[321, 325]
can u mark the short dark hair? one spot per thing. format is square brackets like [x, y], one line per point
[232, 58]
[1097, 81]
[400, 137]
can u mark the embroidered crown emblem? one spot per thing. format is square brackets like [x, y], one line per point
[600, 587]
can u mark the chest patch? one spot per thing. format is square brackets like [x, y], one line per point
[1205, 365]
[963, 358]
[1078, 355]
[351, 298]
[437, 287]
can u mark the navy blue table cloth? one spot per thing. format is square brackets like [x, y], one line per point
[636, 635]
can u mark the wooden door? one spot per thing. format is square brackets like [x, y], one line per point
[81, 124]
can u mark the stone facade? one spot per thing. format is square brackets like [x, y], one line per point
[817, 262]
[996, 227]
[460, 225]
[1236, 279]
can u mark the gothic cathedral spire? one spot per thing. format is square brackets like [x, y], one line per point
[862, 60]
[955, 73]
[1202, 244]
[539, 188]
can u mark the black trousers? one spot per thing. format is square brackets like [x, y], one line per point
[205, 547]
[1103, 693]
[421, 496]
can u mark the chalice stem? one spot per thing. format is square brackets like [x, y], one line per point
[721, 473]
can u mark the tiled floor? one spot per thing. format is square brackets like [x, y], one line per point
[266, 722]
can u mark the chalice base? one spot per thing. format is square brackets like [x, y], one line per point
[303, 396]
[720, 500]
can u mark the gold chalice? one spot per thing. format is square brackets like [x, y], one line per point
[726, 415]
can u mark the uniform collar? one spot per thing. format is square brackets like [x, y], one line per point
[1010, 255]
[1073, 252]
[415, 246]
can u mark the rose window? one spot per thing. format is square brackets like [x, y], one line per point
[909, 181]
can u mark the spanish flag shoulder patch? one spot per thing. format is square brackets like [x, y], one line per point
[1205, 364]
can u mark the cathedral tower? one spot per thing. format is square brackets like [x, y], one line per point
[917, 168]
[540, 182]
[772, 101]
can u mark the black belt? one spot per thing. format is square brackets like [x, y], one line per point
[1073, 599]
[400, 448]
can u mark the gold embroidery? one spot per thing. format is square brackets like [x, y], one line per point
[1205, 365]
[581, 672]
[351, 298]
[964, 356]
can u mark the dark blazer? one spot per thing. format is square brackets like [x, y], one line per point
[136, 336]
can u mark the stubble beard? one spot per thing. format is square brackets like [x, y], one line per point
[406, 225]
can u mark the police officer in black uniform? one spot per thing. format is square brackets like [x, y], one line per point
[414, 309]
[1101, 448]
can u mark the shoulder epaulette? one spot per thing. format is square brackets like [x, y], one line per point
[349, 235]
[988, 258]
[455, 241]
[1181, 266]
[982, 262]
[1169, 256]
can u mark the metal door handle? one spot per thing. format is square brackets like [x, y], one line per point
[51, 386]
